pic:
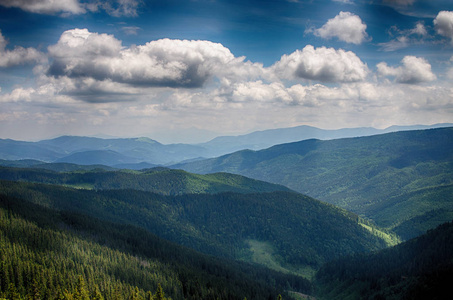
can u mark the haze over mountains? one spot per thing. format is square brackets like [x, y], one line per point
[139, 153]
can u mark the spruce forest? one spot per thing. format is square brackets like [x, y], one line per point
[352, 218]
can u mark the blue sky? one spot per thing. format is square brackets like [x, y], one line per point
[187, 71]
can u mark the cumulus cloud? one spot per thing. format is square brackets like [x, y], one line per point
[115, 8]
[19, 55]
[46, 6]
[444, 24]
[18, 95]
[412, 71]
[175, 63]
[86, 62]
[346, 27]
[321, 64]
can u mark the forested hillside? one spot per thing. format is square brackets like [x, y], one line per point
[300, 231]
[391, 178]
[47, 254]
[420, 268]
[159, 180]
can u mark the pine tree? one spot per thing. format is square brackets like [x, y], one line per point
[81, 292]
[13, 294]
[97, 294]
[135, 294]
[159, 293]
[35, 291]
[149, 296]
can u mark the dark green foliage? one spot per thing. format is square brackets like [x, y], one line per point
[421, 268]
[389, 178]
[159, 180]
[65, 254]
[303, 231]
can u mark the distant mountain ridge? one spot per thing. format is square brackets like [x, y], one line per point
[130, 151]
[267, 138]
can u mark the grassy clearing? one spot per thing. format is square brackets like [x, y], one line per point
[263, 253]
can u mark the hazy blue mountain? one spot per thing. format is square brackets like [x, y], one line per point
[135, 166]
[92, 157]
[264, 139]
[389, 178]
[17, 150]
[146, 150]
[141, 149]
[24, 163]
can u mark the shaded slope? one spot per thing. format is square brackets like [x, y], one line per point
[420, 268]
[44, 251]
[304, 231]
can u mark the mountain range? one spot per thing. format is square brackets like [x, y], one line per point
[85, 225]
[137, 153]
[403, 181]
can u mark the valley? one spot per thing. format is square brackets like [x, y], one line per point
[304, 218]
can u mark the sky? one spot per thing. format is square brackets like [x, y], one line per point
[189, 70]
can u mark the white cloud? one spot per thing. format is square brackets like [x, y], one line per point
[259, 91]
[46, 6]
[89, 63]
[399, 2]
[18, 95]
[172, 63]
[116, 8]
[344, 1]
[444, 24]
[413, 70]
[19, 55]
[321, 64]
[405, 38]
[130, 30]
[346, 27]
[419, 29]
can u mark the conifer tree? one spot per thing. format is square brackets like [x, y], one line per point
[97, 294]
[149, 296]
[81, 292]
[159, 293]
[35, 291]
[135, 294]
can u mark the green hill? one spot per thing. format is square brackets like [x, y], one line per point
[297, 233]
[159, 180]
[421, 268]
[390, 178]
[48, 254]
